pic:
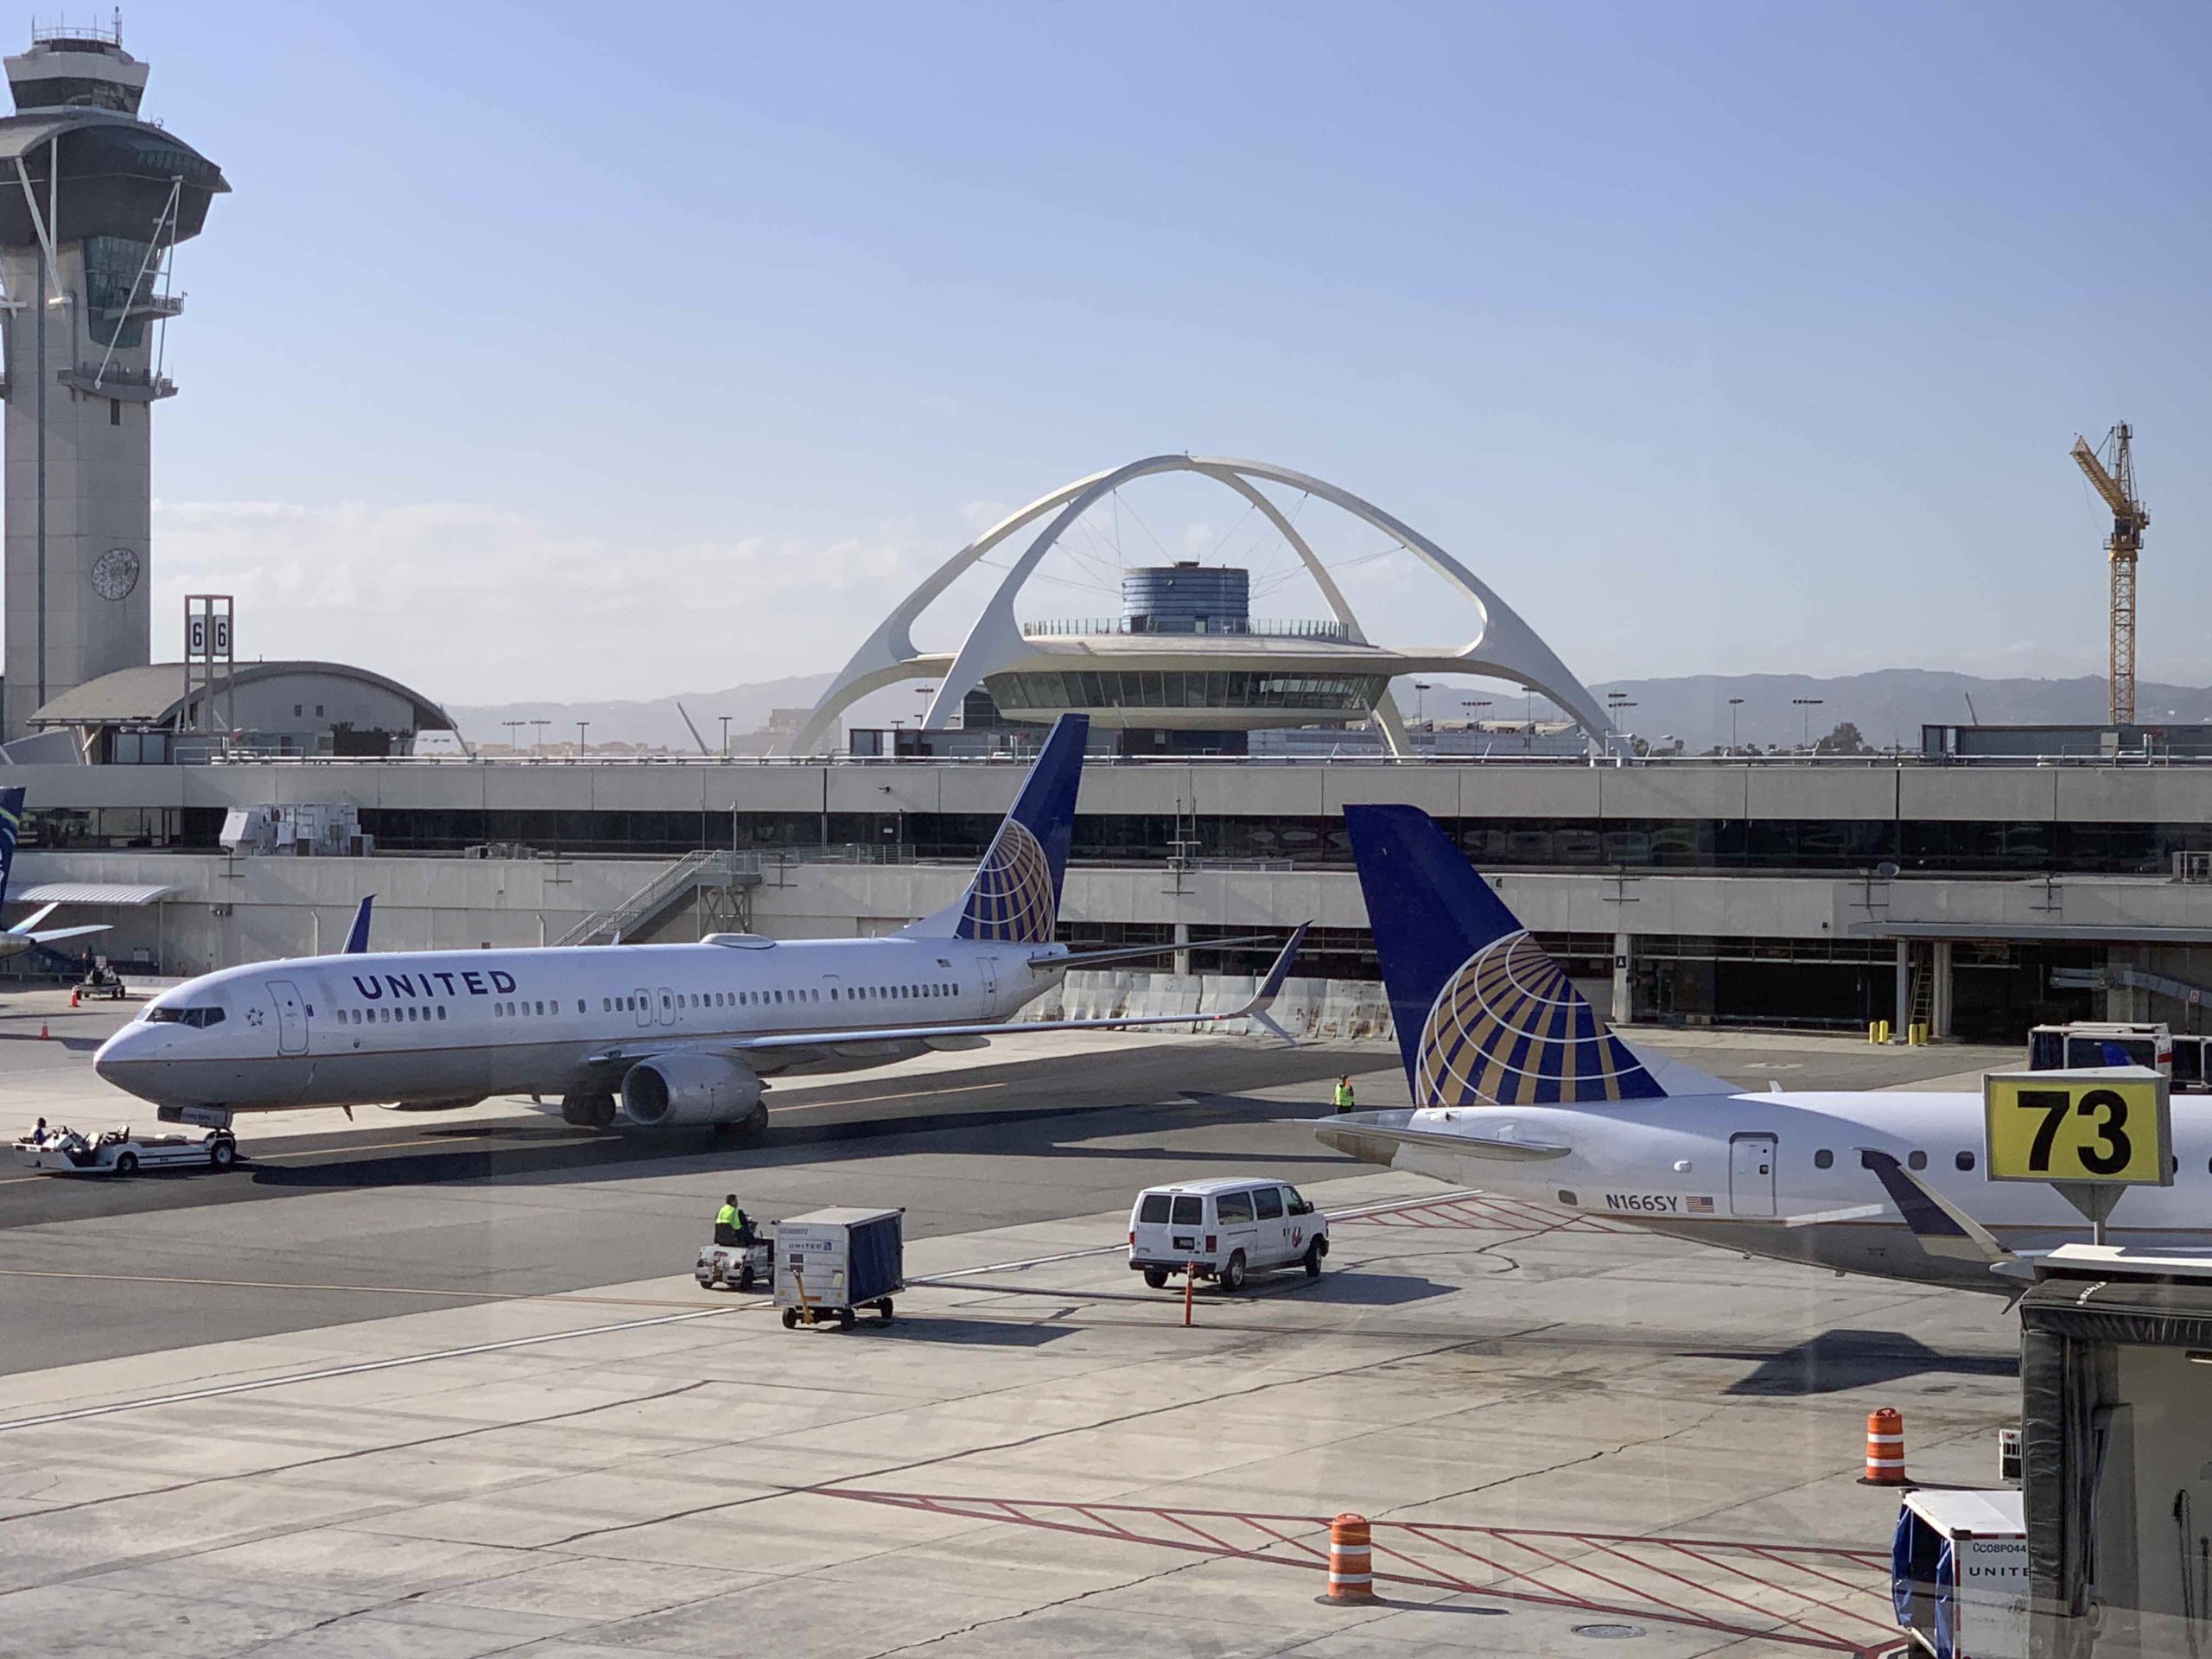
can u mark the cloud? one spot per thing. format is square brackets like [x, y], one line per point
[471, 602]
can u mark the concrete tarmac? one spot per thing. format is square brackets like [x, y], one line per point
[1563, 1436]
[446, 1389]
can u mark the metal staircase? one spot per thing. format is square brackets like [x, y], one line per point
[722, 879]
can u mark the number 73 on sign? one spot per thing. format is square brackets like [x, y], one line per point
[2112, 1126]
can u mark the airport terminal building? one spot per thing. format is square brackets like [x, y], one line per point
[1822, 892]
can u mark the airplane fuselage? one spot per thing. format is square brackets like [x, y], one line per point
[421, 1026]
[1779, 1175]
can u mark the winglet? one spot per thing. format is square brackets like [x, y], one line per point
[1941, 1226]
[357, 937]
[1271, 987]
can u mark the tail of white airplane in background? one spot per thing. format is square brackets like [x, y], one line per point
[1484, 1016]
[14, 941]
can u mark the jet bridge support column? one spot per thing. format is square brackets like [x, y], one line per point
[1939, 1013]
[1903, 1024]
[1623, 1012]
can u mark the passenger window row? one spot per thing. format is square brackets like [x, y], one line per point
[1824, 1158]
[391, 1016]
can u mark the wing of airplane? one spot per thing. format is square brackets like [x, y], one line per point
[1373, 1137]
[1254, 1009]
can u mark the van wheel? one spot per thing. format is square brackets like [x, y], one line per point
[1313, 1260]
[745, 1278]
[127, 1164]
[1232, 1274]
[1156, 1277]
[791, 1318]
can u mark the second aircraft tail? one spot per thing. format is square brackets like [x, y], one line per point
[1483, 1015]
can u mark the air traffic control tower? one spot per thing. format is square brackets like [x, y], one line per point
[92, 200]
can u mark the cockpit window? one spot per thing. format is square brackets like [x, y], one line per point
[198, 1019]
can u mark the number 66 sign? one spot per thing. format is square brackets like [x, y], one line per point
[2110, 1126]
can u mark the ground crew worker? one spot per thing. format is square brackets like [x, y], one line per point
[1344, 1094]
[732, 1225]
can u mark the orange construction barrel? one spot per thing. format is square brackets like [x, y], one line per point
[1352, 1563]
[1884, 1448]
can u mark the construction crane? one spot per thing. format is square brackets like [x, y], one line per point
[2117, 486]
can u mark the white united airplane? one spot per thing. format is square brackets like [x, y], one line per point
[26, 934]
[673, 1035]
[1519, 1089]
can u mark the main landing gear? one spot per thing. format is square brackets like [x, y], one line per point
[587, 1111]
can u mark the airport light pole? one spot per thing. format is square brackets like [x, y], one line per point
[538, 746]
[514, 740]
[1422, 688]
[1735, 704]
[1807, 704]
[582, 748]
[725, 721]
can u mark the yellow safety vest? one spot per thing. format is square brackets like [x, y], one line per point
[725, 1217]
[1344, 1094]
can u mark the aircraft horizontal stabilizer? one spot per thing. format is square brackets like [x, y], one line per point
[1372, 1136]
[1141, 952]
[55, 934]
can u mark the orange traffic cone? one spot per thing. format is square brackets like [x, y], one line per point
[73, 995]
[42, 1030]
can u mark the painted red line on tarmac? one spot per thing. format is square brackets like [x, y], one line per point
[1643, 1603]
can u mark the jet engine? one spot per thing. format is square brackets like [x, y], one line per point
[670, 1091]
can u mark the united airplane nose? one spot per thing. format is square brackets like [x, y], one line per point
[122, 1060]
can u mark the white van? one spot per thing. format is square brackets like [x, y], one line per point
[1224, 1229]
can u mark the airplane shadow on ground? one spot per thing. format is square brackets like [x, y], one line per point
[963, 1333]
[1349, 1288]
[1836, 1360]
[541, 1148]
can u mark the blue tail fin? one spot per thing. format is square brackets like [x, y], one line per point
[357, 937]
[11, 823]
[1484, 1016]
[1015, 895]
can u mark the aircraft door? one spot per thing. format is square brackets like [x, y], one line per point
[291, 1017]
[667, 1006]
[1750, 1174]
[990, 971]
[643, 999]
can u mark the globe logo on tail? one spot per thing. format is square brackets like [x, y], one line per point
[1012, 898]
[1509, 1028]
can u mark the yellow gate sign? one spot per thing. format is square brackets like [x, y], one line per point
[2111, 1127]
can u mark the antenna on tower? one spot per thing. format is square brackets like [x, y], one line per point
[2117, 486]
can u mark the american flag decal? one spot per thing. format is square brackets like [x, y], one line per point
[1700, 1206]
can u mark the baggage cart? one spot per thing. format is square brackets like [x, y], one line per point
[1959, 1573]
[830, 1263]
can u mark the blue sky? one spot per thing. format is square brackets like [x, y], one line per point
[542, 353]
